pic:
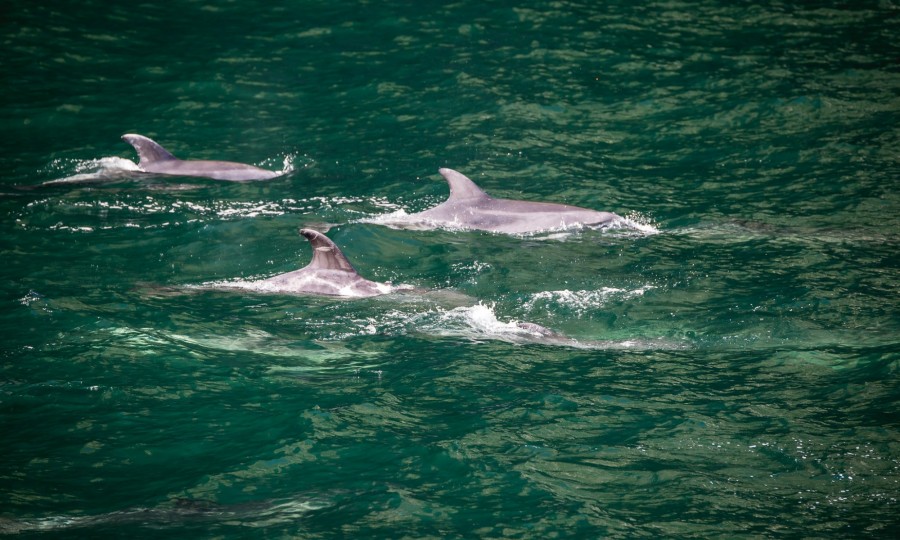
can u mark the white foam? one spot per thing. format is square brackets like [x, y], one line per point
[289, 163]
[581, 301]
[639, 222]
[482, 320]
[480, 323]
[398, 219]
[94, 170]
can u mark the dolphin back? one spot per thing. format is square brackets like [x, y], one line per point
[148, 150]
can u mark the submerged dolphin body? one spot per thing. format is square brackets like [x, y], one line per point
[469, 207]
[176, 512]
[328, 274]
[156, 159]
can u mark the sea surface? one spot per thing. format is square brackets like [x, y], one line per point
[730, 369]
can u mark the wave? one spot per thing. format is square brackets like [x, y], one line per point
[480, 323]
[581, 301]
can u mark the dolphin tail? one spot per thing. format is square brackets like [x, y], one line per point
[148, 150]
[326, 254]
[461, 187]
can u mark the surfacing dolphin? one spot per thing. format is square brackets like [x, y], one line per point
[468, 207]
[328, 274]
[156, 159]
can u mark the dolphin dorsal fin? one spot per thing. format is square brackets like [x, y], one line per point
[326, 255]
[461, 187]
[148, 150]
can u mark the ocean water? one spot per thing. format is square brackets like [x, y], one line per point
[730, 370]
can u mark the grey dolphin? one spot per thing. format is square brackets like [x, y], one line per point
[170, 513]
[328, 274]
[156, 159]
[469, 207]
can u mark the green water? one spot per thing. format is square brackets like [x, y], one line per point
[736, 374]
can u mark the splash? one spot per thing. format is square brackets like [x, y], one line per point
[482, 319]
[581, 301]
[133, 209]
[642, 223]
[398, 219]
[92, 170]
[480, 323]
[289, 163]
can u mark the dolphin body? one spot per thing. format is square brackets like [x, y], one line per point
[181, 512]
[156, 159]
[469, 207]
[328, 274]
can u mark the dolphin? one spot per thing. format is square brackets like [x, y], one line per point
[468, 207]
[328, 274]
[156, 159]
[174, 512]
